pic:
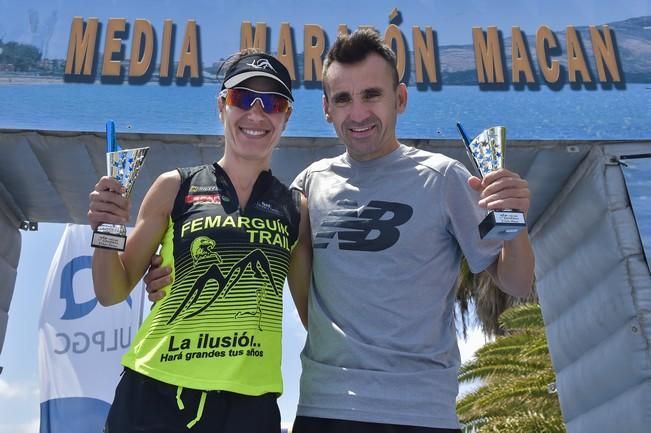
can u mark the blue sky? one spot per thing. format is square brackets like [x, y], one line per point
[19, 388]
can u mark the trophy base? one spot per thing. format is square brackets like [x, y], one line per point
[109, 237]
[502, 225]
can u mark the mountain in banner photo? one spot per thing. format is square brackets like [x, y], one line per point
[632, 37]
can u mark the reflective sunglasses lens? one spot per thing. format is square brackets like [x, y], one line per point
[244, 99]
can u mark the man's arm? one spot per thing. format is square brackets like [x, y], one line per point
[513, 270]
[298, 278]
[115, 274]
[300, 265]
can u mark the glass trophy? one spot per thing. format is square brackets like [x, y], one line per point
[123, 165]
[486, 152]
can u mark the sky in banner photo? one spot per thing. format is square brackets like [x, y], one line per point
[19, 387]
[48, 22]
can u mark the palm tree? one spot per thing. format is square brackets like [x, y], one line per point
[489, 301]
[517, 392]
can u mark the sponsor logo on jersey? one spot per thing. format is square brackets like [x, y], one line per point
[266, 207]
[203, 198]
[203, 188]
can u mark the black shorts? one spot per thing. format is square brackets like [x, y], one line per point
[145, 405]
[307, 424]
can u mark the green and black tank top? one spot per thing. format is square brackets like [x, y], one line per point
[219, 325]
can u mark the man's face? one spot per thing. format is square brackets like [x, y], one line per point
[363, 106]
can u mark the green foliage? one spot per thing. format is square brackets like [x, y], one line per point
[515, 371]
[480, 291]
[23, 56]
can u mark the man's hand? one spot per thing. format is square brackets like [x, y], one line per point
[502, 189]
[107, 204]
[157, 278]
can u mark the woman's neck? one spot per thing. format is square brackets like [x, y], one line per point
[243, 175]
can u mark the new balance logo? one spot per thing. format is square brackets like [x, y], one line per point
[373, 227]
[261, 64]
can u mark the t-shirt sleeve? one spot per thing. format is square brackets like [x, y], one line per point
[300, 181]
[464, 216]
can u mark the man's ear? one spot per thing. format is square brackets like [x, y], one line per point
[325, 109]
[402, 97]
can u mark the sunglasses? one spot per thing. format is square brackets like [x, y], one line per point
[244, 99]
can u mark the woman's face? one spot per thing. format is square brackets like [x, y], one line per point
[252, 133]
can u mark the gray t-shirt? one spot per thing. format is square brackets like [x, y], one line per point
[388, 236]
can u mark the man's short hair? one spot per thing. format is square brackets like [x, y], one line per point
[351, 48]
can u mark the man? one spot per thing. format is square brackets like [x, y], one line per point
[389, 226]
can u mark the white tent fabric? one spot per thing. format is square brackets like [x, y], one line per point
[595, 293]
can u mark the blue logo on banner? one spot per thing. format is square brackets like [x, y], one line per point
[73, 415]
[73, 309]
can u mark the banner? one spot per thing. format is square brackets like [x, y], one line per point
[546, 69]
[80, 342]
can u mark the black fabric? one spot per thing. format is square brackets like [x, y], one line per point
[145, 405]
[306, 424]
[259, 65]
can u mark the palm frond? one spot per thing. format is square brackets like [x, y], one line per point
[515, 370]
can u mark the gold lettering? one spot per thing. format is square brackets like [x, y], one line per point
[247, 40]
[81, 46]
[313, 49]
[286, 49]
[576, 57]
[166, 49]
[393, 36]
[342, 29]
[488, 55]
[424, 54]
[519, 57]
[113, 45]
[142, 32]
[545, 40]
[189, 51]
[604, 53]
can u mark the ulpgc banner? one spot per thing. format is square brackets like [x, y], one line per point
[80, 342]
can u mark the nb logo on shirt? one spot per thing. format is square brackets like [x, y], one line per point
[373, 227]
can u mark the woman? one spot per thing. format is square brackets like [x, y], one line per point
[207, 358]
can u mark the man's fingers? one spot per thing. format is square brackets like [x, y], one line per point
[156, 261]
[510, 184]
[156, 296]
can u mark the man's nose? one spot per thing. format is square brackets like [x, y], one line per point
[358, 110]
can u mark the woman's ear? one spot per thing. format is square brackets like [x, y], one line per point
[289, 114]
[220, 108]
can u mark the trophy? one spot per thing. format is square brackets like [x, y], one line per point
[486, 151]
[123, 165]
